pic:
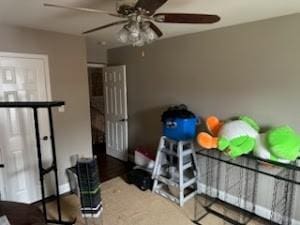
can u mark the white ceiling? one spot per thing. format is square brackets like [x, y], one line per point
[32, 13]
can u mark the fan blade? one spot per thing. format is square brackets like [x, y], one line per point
[105, 26]
[83, 9]
[150, 5]
[185, 18]
[158, 32]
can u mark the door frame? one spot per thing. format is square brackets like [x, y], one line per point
[96, 65]
[45, 60]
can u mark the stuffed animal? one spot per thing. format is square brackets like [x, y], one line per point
[236, 137]
[282, 143]
[241, 136]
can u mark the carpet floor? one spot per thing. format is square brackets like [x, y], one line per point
[126, 205]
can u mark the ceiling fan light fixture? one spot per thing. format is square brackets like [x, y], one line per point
[134, 29]
[139, 43]
[149, 35]
[133, 38]
[123, 35]
[137, 34]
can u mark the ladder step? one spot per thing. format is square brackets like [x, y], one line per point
[167, 195]
[168, 152]
[189, 196]
[189, 183]
[172, 153]
[187, 165]
[176, 142]
[167, 181]
[187, 152]
[175, 184]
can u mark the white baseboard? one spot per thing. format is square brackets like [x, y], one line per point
[259, 210]
[64, 188]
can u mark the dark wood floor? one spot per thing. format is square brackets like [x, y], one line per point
[110, 167]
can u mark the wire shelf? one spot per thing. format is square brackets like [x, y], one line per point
[229, 188]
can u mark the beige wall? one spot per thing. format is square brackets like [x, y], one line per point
[96, 53]
[69, 82]
[248, 69]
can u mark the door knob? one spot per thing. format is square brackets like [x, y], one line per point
[122, 120]
[1, 165]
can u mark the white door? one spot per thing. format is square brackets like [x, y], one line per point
[115, 95]
[22, 78]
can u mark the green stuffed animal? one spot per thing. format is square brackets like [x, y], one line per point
[280, 144]
[241, 136]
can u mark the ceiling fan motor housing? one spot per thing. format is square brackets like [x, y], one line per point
[125, 10]
[126, 7]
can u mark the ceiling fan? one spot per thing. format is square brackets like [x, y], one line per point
[138, 17]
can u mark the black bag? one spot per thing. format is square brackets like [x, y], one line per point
[177, 112]
[140, 178]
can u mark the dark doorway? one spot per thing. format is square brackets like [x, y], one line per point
[109, 167]
[97, 108]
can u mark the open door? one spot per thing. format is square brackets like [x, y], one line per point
[116, 124]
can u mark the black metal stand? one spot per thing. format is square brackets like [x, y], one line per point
[42, 171]
[233, 183]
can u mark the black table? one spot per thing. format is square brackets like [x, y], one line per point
[35, 105]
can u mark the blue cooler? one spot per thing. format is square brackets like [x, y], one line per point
[179, 123]
[180, 128]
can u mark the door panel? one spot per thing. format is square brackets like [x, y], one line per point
[21, 79]
[115, 94]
